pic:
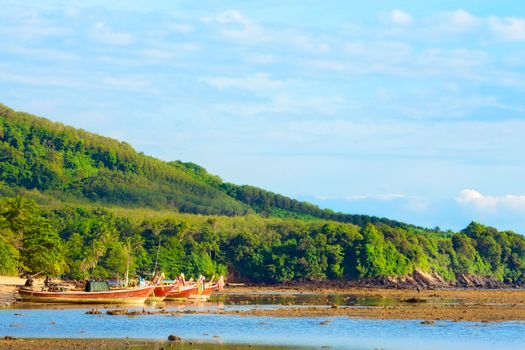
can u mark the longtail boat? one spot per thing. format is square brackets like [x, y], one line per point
[204, 294]
[181, 293]
[115, 296]
[161, 292]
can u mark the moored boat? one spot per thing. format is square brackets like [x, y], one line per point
[161, 292]
[115, 296]
[178, 293]
[204, 294]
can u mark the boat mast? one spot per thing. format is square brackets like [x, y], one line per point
[157, 258]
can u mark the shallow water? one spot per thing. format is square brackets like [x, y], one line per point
[63, 321]
[337, 332]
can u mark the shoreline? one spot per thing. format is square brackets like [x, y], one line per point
[453, 304]
[7, 342]
[379, 291]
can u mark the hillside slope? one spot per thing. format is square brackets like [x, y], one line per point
[97, 216]
[71, 164]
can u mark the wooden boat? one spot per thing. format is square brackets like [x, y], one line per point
[115, 296]
[205, 294]
[181, 293]
[161, 292]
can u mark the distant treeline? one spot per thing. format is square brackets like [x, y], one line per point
[61, 163]
[93, 242]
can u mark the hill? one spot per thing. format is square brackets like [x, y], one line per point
[82, 205]
[69, 164]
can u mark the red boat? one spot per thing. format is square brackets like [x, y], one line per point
[181, 293]
[115, 296]
[204, 294]
[161, 292]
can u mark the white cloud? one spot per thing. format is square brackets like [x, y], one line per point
[470, 197]
[462, 19]
[278, 96]
[30, 25]
[256, 83]
[102, 33]
[445, 24]
[232, 16]
[42, 53]
[508, 28]
[400, 17]
[237, 26]
[260, 58]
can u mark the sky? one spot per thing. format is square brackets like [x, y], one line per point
[411, 110]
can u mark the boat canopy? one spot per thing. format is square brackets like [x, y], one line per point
[93, 286]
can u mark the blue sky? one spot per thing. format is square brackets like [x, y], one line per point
[410, 110]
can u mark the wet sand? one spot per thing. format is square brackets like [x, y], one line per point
[482, 305]
[486, 295]
[462, 312]
[120, 344]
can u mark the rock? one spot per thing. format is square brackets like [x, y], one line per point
[93, 312]
[117, 312]
[414, 300]
[427, 322]
[8, 337]
[173, 337]
[476, 281]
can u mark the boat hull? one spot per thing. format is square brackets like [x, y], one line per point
[161, 292]
[119, 296]
[205, 295]
[183, 293]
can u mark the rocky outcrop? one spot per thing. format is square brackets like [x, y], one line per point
[423, 280]
[473, 281]
[418, 279]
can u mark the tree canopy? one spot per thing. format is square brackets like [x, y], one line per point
[80, 205]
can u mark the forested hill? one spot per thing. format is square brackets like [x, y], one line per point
[67, 164]
[79, 205]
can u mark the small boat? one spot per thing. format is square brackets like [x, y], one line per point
[205, 294]
[161, 292]
[116, 296]
[181, 293]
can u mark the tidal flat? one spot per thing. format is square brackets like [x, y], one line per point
[279, 318]
[122, 344]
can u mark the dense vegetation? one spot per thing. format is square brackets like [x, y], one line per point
[65, 163]
[81, 205]
[81, 243]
